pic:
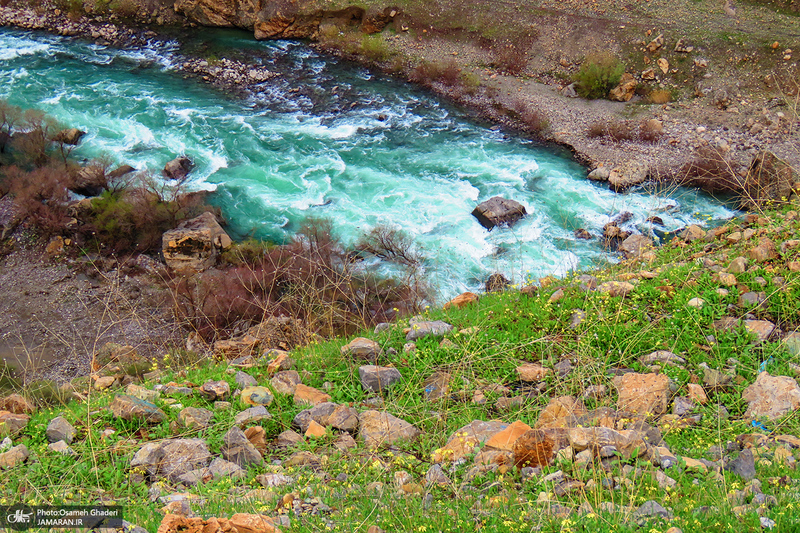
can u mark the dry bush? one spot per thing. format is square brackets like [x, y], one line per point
[9, 117]
[429, 72]
[509, 57]
[390, 244]
[314, 279]
[41, 196]
[532, 119]
[712, 172]
[625, 130]
[35, 133]
[659, 96]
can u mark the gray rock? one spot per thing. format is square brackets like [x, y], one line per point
[237, 449]
[173, 390]
[215, 390]
[436, 328]
[132, 408]
[172, 458]
[343, 418]
[285, 381]
[436, 476]
[362, 348]
[662, 356]
[243, 379]
[195, 417]
[251, 415]
[61, 447]
[142, 393]
[59, 429]
[288, 439]
[378, 378]
[319, 414]
[744, 465]
[652, 509]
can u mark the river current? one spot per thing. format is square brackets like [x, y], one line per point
[327, 139]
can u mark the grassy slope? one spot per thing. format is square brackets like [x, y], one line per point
[506, 329]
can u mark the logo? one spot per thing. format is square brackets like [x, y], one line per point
[17, 517]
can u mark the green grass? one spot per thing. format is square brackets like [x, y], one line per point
[492, 338]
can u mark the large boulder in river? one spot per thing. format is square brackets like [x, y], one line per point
[628, 175]
[768, 179]
[497, 211]
[194, 245]
[178, 168]
[70, 136]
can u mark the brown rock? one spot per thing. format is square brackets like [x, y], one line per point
[14, 457]
[504, 440]
[285, 382]
[534, 448]
[466, 439]
[625, 90]
[771, 397]
[532, 372]
[194, 245]
[560, 412]
[693, 233]
[378, 429]
[627, 175]
[616, 288]
[253, 523]
[17, 404]
[762, 329]
[697, 394]
[764, 251]
[178, 168]
[497, 211]
[643, 394]
[462, 300]
[315, 430]
[303, 394]
[636, 245]
[257, 437]
[656, 43]
[114, 359]
[362, 348]
[230, 349]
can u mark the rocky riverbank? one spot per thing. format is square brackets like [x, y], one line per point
[537, 408]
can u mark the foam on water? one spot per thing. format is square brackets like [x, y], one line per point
[396, 157]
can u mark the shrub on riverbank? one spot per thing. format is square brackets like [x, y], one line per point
[598, 74]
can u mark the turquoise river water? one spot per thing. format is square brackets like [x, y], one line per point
[328, 139]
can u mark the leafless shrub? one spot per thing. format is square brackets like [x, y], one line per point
[390, 244]
[510, 57]
[530, 118]
[712, 172]
[625, 130]
[314, 279]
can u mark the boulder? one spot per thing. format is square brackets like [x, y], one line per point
[379, 429]
[70, 136]
[131, 408]
[643, 394]
[771, 397]
[17, 404]
[222, 14]
[467, 439]
[636, 245]
[238, 449]
[627, 175]
[532, 372]
[560, 412]
[363, 348]
[285, 381]
[534, 448]
[172, 458]
[497, 211]
[194, 245]
[59, 429]
[14, 457]
[625, 90]
[215, 390]
[767, 179]
[251, 415]
[195, 417]
[178, 168]
[378, 378]
[436, 328]
[303, 394]
[256, 396]
[462, 300]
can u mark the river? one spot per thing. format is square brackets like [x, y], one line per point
[328, 139]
